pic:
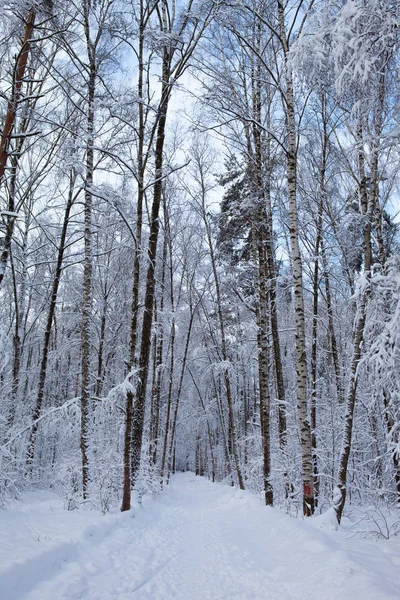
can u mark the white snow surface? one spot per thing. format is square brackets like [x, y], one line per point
[195, 541]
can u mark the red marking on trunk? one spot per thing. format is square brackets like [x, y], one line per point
[307, 490]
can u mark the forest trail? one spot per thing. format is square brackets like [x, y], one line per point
[196, 541]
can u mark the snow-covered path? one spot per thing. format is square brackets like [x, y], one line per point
[202, 541]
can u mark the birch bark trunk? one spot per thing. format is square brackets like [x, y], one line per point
[301, 358]
[87, 263]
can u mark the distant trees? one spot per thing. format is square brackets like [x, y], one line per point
[179, 34]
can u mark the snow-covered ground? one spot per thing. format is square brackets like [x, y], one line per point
[197, 540]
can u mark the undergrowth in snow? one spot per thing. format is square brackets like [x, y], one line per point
[195, 540]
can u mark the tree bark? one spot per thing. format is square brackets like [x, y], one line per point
[18, 78]
[301, 358]
[143, 366]
[87, 264]
[127, 483]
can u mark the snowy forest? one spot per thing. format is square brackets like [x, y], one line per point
[200, 252]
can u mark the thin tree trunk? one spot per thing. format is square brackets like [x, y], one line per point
[263, 368]
[272, 276]
[222, 421]
[209, 433]
[155, 417]
[331, 328]
[224, 352]
[88, 267]
[314, 329]
[103, 323]
[20, 312]
[368, 207]
[16, 347]
[341, 489]
[50, 318]
[154, 407]
[169, 401]
[180, 385]
[171, 344]
[340, 493]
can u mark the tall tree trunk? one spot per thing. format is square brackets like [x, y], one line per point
[143, 366]
[272, 277]
[155, 416]
[87, 265]
[260, 235]
[263, 369]
[171, 345]
[314, 329]
[301, 358]
[127, 483]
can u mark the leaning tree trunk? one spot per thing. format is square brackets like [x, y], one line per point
[368, 208]
[339, 499]
[340, 492]
[18, 79]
